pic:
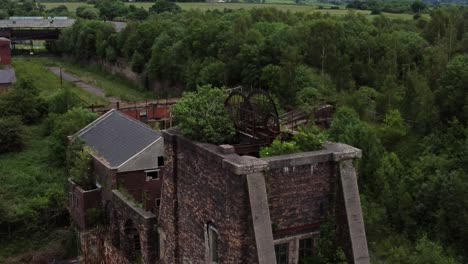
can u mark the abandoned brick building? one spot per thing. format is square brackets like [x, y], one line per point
[219, 207]
[127, 159]
[212, 205]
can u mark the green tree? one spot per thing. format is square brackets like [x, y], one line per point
[451, 94]
[87, 12]
[62, 126]
[23, 101]
[11, 135]
[418, 6]
[161, 6]
[201, 115]
[393, 128]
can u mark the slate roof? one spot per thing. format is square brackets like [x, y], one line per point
[7, 76]
[36, 23]
[116, 137]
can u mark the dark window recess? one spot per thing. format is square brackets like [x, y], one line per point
[306, 247]
[282, 253]
[160, 161]
[158, 202]
[214, 246]
[154, 175]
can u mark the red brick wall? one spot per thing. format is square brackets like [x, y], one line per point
[85, 200]
[4, 87]
[299, 197]
[139, 187]
[205, 191]
[5, 52]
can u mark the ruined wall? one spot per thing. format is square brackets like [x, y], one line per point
[299, 196]
[197, 189]
[204, 183]
[106, 178]
[132, 232]
[142, 189]
[80, 201]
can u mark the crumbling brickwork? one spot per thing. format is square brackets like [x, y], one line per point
[197, 190]
[204, 184]
[299, 196]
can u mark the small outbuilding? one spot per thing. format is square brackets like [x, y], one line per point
[7, 78]
[5, 51]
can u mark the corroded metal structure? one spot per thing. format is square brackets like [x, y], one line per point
[255, 118]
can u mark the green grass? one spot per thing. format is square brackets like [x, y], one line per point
[47, 82]
[113, 85]
[280, 4]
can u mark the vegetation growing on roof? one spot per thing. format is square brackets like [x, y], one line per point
[201, 115]
[308, 138]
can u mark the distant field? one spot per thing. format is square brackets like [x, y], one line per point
[220, 6]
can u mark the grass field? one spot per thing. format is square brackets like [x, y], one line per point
[220, 6]
[112, 85]
[47, 82]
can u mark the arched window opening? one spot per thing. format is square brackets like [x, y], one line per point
[212, 236]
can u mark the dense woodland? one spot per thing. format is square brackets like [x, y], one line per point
[400, 87]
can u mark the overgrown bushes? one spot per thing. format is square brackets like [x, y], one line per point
[201, 115]
[11, 134]
[308, 138]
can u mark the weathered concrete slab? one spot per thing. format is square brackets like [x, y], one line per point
[261, 218]
[353, 211]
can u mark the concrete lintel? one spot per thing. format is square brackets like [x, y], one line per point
[261, 218]
[119, 196]
[241, 165]
[342, 151]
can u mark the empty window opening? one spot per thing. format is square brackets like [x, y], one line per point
[160, 161]
[282, 253]
[213, 242]
[158, 203]
[115, 231]
[133, 247]
[306, 247]
[152, 175]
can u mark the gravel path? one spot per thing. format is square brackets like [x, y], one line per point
[83, 85]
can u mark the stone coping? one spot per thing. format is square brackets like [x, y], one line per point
[141, 212]
[83, 190]
[241, 165]
[330, 152]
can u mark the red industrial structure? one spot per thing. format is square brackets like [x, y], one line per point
[5, 51]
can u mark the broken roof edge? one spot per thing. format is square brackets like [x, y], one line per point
[241, 165]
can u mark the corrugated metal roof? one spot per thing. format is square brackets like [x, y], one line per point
[36, 23]
[117, 137]
[7, 76]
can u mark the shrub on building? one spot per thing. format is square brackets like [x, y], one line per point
[201, 115]
[80, 164]
[308, 138]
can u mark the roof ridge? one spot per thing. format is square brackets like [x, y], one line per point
[137, 122]
[94, 123]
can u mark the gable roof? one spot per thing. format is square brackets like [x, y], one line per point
[116, 137]
[7, 75]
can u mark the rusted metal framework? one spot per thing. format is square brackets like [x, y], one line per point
[255, 119]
